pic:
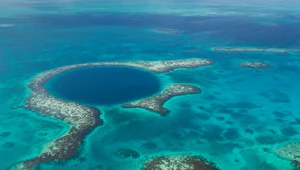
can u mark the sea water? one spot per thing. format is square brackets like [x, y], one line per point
[107, 85]
[239, 117]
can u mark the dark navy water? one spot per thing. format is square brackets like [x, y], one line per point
[104, 85]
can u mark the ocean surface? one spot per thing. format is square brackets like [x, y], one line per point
[239, 117]
[104, 85]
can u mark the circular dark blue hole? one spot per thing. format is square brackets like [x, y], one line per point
[104, 85]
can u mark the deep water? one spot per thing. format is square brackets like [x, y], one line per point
[238, 119]
[104, 85]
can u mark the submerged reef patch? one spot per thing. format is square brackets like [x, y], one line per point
[246, 49]
[271, 139]
[255, 64]
[8, 145]
[275, 96]
[149, 145]
[167, 31]
[155, 103]
[5, 134]
[127, 153]
[178, 163]
[82, 119]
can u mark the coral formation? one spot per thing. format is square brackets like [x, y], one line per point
[149, 145]
[127, 153]
[4, 134]
[178, 163]
[249, 131]
[246, 49]
[290, 151]
[8, 145]
[16, 107]
[82, 119]
[296, 164]
[220, 118]
[276, 96]
[166, 31]
[155, 103]
[271, 139]
[255, 64]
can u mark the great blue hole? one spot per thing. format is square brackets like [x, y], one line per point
[105, 85]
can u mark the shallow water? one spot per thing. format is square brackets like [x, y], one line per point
[240, 115]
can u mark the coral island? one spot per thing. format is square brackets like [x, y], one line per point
[82, 119]
[155, 103]
[246, 49]
[290, 152]
[178, 163]
[254, 64]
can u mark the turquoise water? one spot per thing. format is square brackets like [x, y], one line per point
[239, 116]
[101, 85]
